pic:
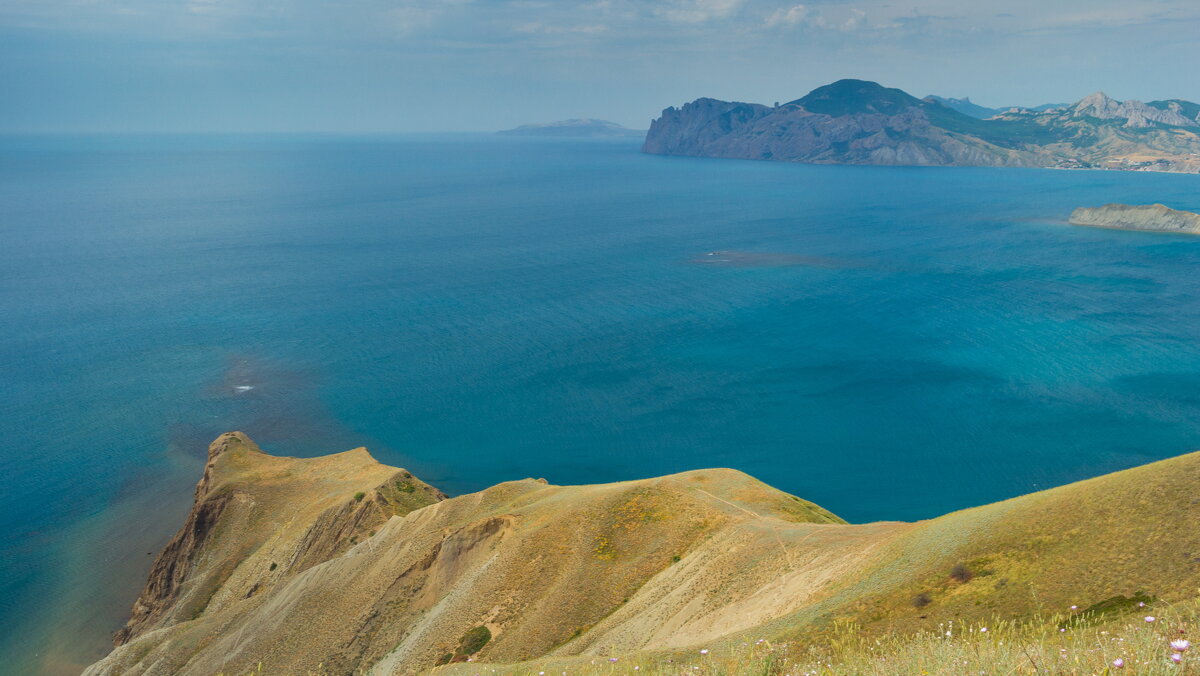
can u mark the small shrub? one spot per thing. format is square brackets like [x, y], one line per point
[474, 640]
[359, 496]
[273, 566]
[961, 573]
[921, 600]
[1106, 610]
[676, 558]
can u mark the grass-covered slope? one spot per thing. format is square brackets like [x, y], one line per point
[526, 577]
[1095, 556]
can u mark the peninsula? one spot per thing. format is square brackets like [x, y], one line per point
[341, 565]
[1150, 217]
[861, 122]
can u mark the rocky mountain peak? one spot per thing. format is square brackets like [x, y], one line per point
[1136, 114]
[1099, 105]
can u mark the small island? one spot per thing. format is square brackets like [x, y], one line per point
[578, 128]
[1146, 217]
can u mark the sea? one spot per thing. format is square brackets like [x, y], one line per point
[892, 343]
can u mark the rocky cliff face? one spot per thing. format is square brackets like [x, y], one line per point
[257, 519]
[858, 122]
[1152, 217]
[340, 565]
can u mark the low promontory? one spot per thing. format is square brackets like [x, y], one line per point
[1148, 217]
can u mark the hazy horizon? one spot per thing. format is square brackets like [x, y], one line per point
[478, 65]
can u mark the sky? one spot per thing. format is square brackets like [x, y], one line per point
[360, 66]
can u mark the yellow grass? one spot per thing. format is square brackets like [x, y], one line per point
[1040, 646]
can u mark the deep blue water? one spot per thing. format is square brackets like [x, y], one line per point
[892, 343]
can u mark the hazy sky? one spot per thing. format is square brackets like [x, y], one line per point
[432, 65]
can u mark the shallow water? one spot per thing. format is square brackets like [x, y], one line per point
[892, 343]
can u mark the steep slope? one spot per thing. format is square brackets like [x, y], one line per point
[529, 571]
[860, 122]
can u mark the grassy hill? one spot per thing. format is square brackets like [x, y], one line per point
[526, 577]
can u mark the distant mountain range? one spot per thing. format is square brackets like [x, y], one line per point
[861, 122]
[574, 128]
[967, 107]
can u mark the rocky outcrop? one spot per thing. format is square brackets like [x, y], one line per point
[247, 529]
[1150, 217]
[859, 122]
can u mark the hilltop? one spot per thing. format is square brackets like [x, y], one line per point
[862, 122]
[342, 565]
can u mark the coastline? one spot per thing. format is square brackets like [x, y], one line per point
[102, 563]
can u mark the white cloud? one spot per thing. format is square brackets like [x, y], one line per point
[848, 20]
[789, 16]
[856, 20]
[550, 29]
[699, 11]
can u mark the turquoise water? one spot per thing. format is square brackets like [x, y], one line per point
[892, 343]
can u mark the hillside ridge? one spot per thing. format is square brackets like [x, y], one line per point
[340, 564]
